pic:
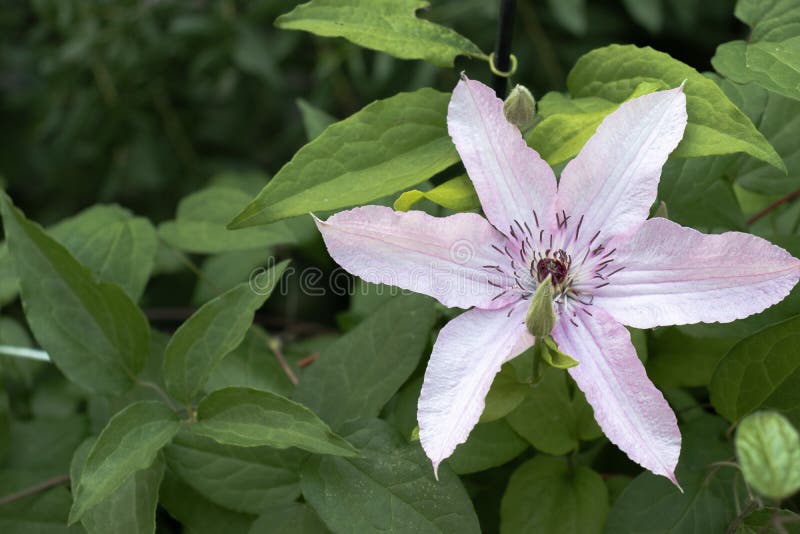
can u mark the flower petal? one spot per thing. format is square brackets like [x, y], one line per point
[613, 181]
[467, 355]
[677, 275]
[445, 258]
[511, 179]
[631, 411]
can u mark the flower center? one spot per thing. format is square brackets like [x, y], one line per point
[556, 267]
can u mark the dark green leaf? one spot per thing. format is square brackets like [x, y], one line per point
[391, 490]
[355, 376]
[223, 271]
[40, 513]
[211, 333]
[45, 444]
[315, 120]
[402, 140]
[92, 330]
[251, 418]
[679, 360]
[386, 25]
[555, 416]
[545, 494]
[295, 518]
[506, 393]
[199, 224]
[129, 443]
[761, 371]
[131, 509]
[241, 479]
[652, 504]
[488, 445]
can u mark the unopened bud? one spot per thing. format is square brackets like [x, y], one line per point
[520, 107]
[541, 319]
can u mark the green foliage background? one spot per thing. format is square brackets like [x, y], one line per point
[189, 396]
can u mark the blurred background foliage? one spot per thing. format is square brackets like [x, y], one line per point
[141, 102]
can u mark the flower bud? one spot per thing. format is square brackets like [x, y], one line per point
[520, 106]
[541, 319]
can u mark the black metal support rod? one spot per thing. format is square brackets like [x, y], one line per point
[502, 51]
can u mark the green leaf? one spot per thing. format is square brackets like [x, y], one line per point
[778, 118]
[545, 494]
[223, 271]
[388, 146]
[9, 283]
[391, 490]
[651, 504]
[768, 449]
[571, 14]
[40, 513]
[45, 444]
[679, 360]
[554, 357]
[356, 375]
[196, 514]
[211, 333]
[114, 244]
[251, 418]
[62, 297]
[199, 224]
[561, 135]
[252, 364]
[555, 416]
[761, 521]
[716, 126]
[294, 518]
[698, 194]
[771, 56]
[648, 13]
[761, 371]
[456, 194]
[386, 25]
[506, 393]
[315, 120]
[129, 443]
[241, 479]
[131, 509]
[488, 445]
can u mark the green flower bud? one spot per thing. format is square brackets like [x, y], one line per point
[541, 319]
[520, 107]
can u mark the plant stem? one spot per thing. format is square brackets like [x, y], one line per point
[502, 50]
[161, 393]
[775, 205]
[41, 486]
[274, 345]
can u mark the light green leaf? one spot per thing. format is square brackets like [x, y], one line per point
[554, 357]
[196, 514]
[252, 418]
[356, 375]
[456, 194]
[386, 25]
[252, 364]
[561, 135]
[716, 126]
[211, 333]
[555, 416]
[388, 146]
[771, 56]
[114, 244]
[768, 449]
[761, 371]
[241, 479]
[489, 445]
[92, 330]
[199, 224]
[131, 509]
[129, 443]
[545, 494]
[391, 490]
[294, 518]
[315, 120]
[651, 504]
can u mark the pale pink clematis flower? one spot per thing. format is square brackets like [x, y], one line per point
[610, 267]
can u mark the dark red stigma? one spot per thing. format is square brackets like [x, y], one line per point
[557, 268]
